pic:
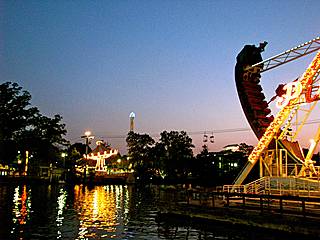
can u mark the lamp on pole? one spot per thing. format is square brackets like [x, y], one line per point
[87, 136]
[63, 155]
[27, 161]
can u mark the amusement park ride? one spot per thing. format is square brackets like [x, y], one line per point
[278, 151]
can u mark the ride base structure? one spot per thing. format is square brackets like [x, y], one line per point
[284, 168]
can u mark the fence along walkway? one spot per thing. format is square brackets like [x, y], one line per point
[306, 206]
[290, 186]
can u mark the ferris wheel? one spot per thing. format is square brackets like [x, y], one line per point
[278, 149]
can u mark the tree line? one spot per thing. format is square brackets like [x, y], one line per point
[171, 159]
[24, 129]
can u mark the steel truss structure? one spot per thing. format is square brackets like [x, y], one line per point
[288, 56]
[277, 142]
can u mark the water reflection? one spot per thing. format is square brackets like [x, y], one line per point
[102, 211]
[21, 206]
[61, 206]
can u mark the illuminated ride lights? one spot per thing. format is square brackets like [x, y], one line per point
[283, 114]
[100, 154]
[293, 95]
[101, 158]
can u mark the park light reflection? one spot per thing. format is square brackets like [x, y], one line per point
[21, 206]
[102, 208]
[61, 206]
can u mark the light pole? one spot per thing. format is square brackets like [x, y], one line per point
[87, 135]
[63, 155]
[27, 161]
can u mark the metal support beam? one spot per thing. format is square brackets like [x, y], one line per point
[279, 119]
[287, 56]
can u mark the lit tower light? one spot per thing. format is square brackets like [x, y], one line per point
[132, 116]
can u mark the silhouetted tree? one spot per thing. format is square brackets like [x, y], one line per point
[23, 128]
[204, 169]
[139, 149]
[43, 138]
[80, 148]
[246, 149]
[15, 112]
[175, 154]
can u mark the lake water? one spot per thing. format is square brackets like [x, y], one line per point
[42, 211]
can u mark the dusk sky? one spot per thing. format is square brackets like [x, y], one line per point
[171, 62]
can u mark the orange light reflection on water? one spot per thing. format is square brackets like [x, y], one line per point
[21, 206]
[100, 209]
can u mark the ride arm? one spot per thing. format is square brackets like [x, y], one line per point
[278, 121]
[287, 56]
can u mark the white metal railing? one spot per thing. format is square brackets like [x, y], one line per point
[258, 186]
[278, 186]
[234, 188]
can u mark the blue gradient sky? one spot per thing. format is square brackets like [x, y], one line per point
[171, 62]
